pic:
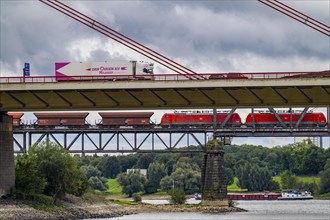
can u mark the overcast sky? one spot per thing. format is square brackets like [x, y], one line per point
[205, 36]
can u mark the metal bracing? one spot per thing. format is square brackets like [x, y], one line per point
[277, 117]
[227, 117]
[301, 117]
[83, 141]
[150, 140]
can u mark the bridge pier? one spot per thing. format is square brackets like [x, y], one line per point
[7, 165]
[214, 187]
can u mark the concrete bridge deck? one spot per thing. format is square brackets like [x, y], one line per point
[164, 94]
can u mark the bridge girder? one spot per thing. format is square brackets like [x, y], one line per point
[107, 95]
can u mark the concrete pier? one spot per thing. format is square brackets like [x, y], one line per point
[7, 165]
[214, 187]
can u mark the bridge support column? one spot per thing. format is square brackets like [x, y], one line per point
[7, 165]
[214, 187]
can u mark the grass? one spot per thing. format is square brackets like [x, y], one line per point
[304, 179]
[309, 179]
[325, 196]
[234, 188]
[114, 188]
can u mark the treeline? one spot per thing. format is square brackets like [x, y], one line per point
[49, 169]
[254, 166]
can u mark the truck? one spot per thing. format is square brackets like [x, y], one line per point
[108, 70]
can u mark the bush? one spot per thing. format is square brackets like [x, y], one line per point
[177, 196]
[99, 183]
[137, 197]
[231, 203]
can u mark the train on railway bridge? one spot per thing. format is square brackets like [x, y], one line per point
[176, 119]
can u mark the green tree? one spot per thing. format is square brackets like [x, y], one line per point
[156, 172]
[132, 182]
[186, 177]
[128, 161]
[111, 167]
[55, 165]
[91, 171]
[167, 183]
[95, 180]
[229, 176]
[288, 180]
[28, 182]
[254, 178]
[99, 183]
[145, 160]
[325, 178]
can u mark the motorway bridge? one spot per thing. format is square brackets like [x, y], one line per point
[46, 94]
[165, 92]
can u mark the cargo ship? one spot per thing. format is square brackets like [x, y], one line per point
[253, 196]
[295, 195]
[248, 196]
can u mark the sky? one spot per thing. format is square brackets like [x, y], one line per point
[205, 36]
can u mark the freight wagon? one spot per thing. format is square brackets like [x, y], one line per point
[17, 121]
[75, 119]
[111, 70]
[117, 119]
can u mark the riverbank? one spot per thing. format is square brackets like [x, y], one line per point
[70, 208]
[86, 208]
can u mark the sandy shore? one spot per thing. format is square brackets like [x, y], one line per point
[77, 208]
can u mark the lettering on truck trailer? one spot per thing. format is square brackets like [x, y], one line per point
[107, 70]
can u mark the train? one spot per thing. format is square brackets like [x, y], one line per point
[177, 119]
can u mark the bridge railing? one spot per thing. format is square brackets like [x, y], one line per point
[166, 77]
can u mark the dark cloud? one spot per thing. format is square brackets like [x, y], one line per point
[204, 35]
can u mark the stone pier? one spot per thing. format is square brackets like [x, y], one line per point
[214, 187]
[7, 166]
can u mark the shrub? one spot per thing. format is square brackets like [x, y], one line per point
[137, 197]
[231, 203]
[177, 196]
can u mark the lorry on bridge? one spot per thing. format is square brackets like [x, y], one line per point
[108, 70]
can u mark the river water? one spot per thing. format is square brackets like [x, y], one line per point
[257, 210]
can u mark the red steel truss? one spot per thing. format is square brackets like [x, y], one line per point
[122, 39]
[291, 12]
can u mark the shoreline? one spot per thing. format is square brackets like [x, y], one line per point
[85, 208]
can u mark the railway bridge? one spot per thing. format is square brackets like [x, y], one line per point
[262, 90]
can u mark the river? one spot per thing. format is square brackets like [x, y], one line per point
[257, 210]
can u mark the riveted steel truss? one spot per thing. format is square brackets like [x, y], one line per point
[114, 141]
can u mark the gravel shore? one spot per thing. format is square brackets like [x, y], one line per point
[77, 208]
[73, 208]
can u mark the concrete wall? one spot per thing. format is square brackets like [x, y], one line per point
[7, 169]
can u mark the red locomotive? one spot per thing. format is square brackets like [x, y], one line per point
[198, 119]
[268, 119]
